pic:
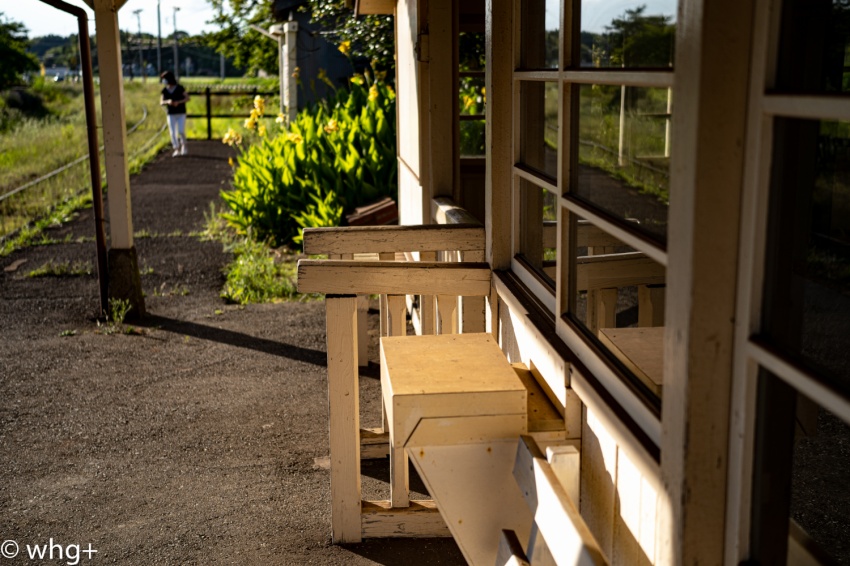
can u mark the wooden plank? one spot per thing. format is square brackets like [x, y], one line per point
[651, 305]
[362, 331]
[617, 270]
[500, 61]
[567, 536]
[344, 409]
[379, 519]
[374, 443]
[601, 309]
[447, 307]
[374, 7]
[598, 474]
[397, 315]
[383, 239]
[393, 278]
[641, 350]
[428, 303]
[542, 414]
[634, 517]
[566, 463]
[445, 211]
[472, 316]
[590, 236]
[510, 552]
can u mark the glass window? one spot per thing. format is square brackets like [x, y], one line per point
[539, 127]
[540, 25]
[807, 277]
[538, 231]
[800, 476]
[814, 53]
[627, 34]
[620, 300]
[624, 153]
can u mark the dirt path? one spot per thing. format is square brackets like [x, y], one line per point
[199, 441]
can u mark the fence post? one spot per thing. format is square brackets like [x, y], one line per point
[209, 113]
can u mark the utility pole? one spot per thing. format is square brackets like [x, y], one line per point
[176, 59]
[158, 40]
[139, 44]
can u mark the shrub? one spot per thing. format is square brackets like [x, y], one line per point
[336, 156]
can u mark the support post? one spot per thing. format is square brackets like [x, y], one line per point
[290, 63]
[344, 409]
[209, 112]
[124, 280]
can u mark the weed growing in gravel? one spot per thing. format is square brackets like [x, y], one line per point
[66, 333]
[255, 277]
[118, 309]
[62, 269]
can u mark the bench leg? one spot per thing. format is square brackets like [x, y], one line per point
[344, 408]
[399, 479]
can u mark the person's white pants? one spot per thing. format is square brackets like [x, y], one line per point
[177, 129]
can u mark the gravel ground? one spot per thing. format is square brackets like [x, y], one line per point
[198, 440]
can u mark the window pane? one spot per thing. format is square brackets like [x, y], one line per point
[627, 34]
[538, 230]
[624, 153]
[807, 289]
[621, 302]
[540, 24]
[800, 469]
[820, 499]
[539, 127]
[472, 138]
[814, 54]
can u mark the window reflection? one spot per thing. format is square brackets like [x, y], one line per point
[540, 25]
[538, 230]
[814, 51]
[539, 127]
[620, 300]
[624, 153]
[634, 37]
[807, 295]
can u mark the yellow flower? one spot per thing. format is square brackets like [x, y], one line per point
[357, 79]
[468, 101]
[345, 47]
[293, 137]
[230, 162]
[281, 119]
[380, 75]
[373, 93]
[259, 105]
[261, 130]
[232, 137]
[332, 126]
[251, 122]
[484, 94]
[296, 73]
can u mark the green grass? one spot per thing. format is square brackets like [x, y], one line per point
[33, 148]
[62, 269]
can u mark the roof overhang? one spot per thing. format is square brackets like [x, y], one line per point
[374, 7]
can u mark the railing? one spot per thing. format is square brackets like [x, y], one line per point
[208, 93]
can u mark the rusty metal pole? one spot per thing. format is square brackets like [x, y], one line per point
[94, 153]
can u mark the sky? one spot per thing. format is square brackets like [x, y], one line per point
[41, 19]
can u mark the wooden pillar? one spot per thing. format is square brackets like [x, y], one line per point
[290, 62]
[707, 171]
[124, 281]
[442, 99]
[344, 409]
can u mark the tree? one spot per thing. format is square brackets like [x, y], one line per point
[13, 53]
[236, 39]
[367, 39]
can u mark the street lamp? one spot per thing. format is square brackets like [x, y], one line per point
[139, 44]
[176, 60]
[158, 40]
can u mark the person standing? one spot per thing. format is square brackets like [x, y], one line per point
[174, 97]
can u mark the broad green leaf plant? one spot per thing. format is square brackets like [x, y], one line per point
[337, 155]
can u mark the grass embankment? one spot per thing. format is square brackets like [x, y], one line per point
[31, 147]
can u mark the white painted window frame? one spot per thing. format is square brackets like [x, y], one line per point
[569, 210]
[750, 356]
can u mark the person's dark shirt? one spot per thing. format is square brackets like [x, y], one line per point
[179, 93]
